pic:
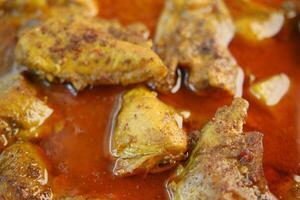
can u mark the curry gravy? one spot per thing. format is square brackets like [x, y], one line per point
[77, 141]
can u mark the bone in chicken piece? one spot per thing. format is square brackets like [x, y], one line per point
[88, 52]
[254, 21]
[21, 111]
[23, 173]
[195, 34]
[148, 135]
[225, 163]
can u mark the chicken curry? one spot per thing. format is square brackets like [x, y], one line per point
[149, 99]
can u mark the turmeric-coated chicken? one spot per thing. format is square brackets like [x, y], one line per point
[254, 21]
[89, 52]
[225, 163]
[23, 173]
[22, 4]
[21, 111]
[195, 34]
[148, 135]
[27, 7]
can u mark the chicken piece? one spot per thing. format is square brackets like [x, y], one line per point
[271, 90]
[225, 163]
[23, 174]
[27, 5]
[256, 22]
[21, 112]
[87, 52]
[89, 7]
[195, 34]
[148, 135]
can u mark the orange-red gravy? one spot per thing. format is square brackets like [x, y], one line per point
[78, 141]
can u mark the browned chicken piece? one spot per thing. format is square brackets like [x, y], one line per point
[23, 174]
[195, 34]
[21, 112]
[225, 163]
[148, 135]
[17, 15]
[89, 52]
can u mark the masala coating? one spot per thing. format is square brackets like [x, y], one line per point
[195, 34]
[148, 135]
[21, 112]
[22, 4]
[225, 163]
[26, 8]
[88, 52]
[23, 174]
